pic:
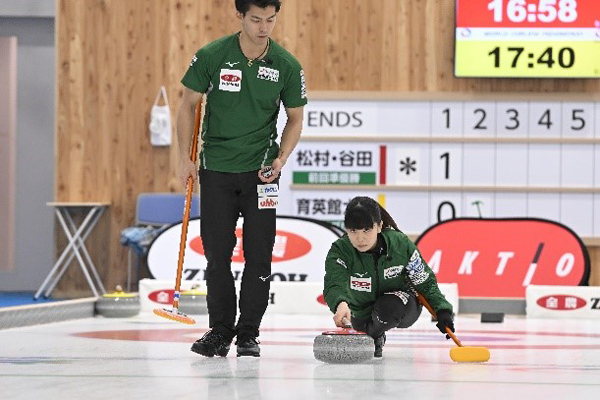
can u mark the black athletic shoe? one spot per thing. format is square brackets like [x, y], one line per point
[247, 345]
[211, 344]
[379, 342]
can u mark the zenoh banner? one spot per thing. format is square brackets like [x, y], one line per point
[301, 246]
[501, 257]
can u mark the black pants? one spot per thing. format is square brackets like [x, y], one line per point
[390, 311]
[223, 197]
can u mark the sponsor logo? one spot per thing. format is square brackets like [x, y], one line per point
[415, 265]
[341, 262]
[288, 246]
[267, 190]
[267, 203]
[360, 284]
[231, 64]
[268, 74]
[163, 296]
[392, 272]
[194, 59]
[561, 302]
[302, 85]
[231, 80]
[500, 257]
[264, 278]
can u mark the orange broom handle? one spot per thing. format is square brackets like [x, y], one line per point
[188, 202]
[424, 301]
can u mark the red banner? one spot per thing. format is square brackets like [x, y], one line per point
[501, 257]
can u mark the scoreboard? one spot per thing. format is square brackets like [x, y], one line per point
[527, 38]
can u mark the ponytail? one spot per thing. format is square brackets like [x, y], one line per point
[388, 221]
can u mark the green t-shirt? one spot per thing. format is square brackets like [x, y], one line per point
[240, 122]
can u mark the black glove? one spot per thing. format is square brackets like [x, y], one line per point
[444, 318]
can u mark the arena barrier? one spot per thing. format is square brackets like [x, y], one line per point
[285, 298]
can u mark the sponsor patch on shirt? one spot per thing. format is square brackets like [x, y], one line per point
[302, 85]
[230, 80]
[360, 284]
[267, 202]
[270, 189]
[415, 265]
[268, 74]
[392, 272]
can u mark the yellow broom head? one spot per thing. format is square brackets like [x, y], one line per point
[174, 315]
[469, 354]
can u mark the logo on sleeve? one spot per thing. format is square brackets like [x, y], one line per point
[193, 61]
[341, 262]
[268, 74]
[302, 85]
[360, 284]
[231, 80]
[392, 272]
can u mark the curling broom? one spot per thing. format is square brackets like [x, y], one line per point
[174, 314]
[460, 353]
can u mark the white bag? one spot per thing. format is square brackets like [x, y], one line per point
[161, 131]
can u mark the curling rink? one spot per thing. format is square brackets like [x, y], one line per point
[145, 357]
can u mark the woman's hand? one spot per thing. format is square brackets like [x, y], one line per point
[342, 315]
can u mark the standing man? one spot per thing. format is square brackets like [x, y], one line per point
[245, 77]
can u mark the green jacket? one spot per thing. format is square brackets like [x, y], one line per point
[351, 276]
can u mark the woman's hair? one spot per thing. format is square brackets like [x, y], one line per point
[362, 212]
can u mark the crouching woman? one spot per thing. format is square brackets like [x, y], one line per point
[372, 272]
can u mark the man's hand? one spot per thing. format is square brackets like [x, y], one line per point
[342, 315]
[275, 169]
[186, 169]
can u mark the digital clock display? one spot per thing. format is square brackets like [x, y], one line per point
[527, 38]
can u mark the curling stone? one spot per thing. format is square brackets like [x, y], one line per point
[193, 301]
[118, 304]
[343, 346]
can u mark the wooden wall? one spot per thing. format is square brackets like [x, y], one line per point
[113, 55]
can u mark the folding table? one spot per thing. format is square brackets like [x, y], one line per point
[76, 236]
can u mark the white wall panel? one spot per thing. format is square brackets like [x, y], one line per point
[511, 164]
[544, 165]
[479, 167]
[510, 205]
[577, 212]
[577, 165]
[544, 205]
